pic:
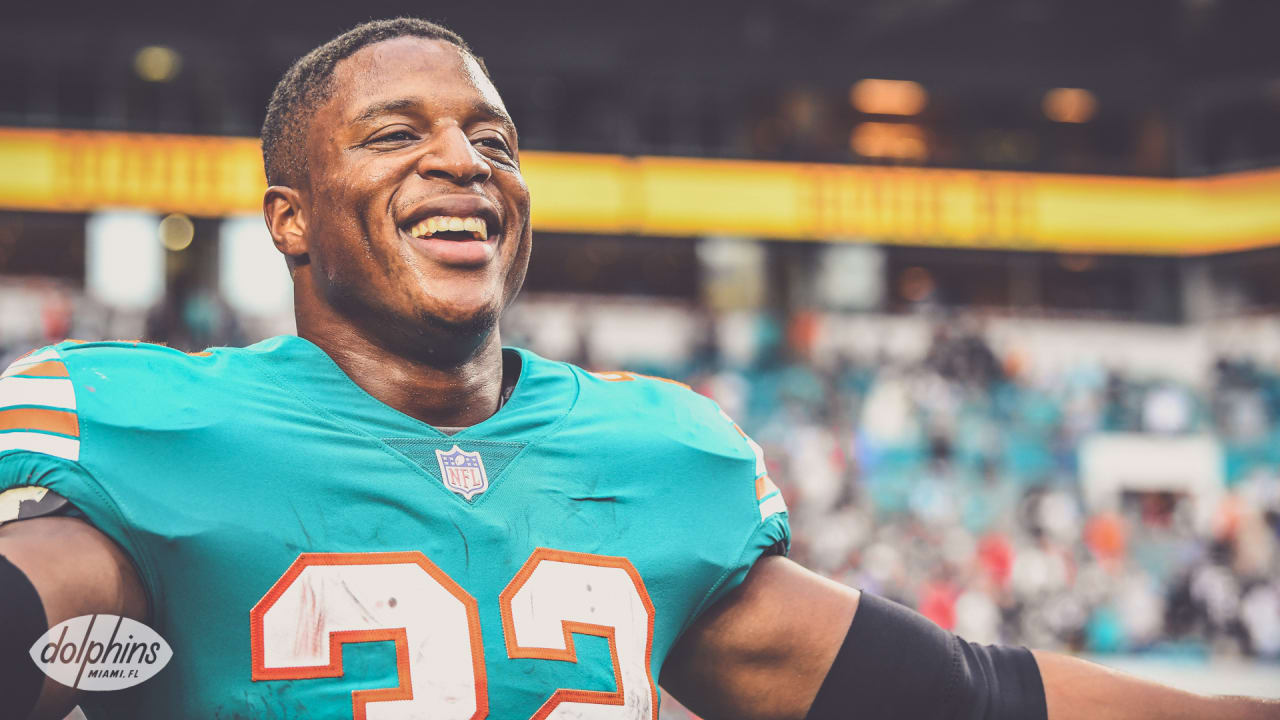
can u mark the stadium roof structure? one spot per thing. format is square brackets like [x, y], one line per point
[1188, 86]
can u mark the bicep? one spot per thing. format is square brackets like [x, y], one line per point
[77, 570]
[762, 652]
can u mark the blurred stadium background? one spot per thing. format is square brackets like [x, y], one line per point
[992, 282]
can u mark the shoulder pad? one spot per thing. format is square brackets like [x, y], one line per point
[22, 503]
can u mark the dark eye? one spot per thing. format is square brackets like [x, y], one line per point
[394, 137]
[495, 143]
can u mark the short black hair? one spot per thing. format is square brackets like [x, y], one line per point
[309, 82]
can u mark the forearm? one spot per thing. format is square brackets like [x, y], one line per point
[1075, 688]
[75, 570]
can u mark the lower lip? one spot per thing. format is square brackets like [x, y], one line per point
[458, 253]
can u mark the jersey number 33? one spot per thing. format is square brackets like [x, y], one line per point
[327, 599]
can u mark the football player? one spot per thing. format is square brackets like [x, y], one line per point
[393, 516]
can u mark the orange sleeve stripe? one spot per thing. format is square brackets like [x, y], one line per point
[48, 368]
[662, 379]
[765, 487]
[615, 376]
[39, 420]
[628, 376]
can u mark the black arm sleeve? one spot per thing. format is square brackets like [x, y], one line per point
[895, 663]
[22, 622]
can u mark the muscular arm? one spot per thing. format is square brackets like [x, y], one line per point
[763, 652]
[76, 570]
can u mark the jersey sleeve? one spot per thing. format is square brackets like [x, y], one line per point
[40, 436]
[713, 510]
[38, 407]
[771, 534]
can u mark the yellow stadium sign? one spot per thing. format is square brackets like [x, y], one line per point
[78, 171]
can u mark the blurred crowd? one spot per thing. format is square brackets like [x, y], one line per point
[951, 483]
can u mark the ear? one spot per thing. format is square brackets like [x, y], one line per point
[282, 209]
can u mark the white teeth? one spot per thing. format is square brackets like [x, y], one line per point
[442, 223]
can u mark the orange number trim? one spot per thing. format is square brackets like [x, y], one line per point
[569, 654]
[360, 698]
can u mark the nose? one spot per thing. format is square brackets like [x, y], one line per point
[451, 156]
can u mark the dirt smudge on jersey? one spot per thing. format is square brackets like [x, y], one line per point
[466, 547]
[311, 619]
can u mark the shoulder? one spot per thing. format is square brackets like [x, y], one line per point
[644, 393]
[72, 354]
[654, 408]
[49, 395]
[134, 367]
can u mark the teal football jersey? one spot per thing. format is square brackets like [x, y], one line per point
[307, 551]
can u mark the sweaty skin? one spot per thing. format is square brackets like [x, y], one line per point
[412, 125]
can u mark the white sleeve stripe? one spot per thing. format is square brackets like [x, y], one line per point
[761, 467]
[39, 357]
[772, 505]
[44, 392]
[56, 445]
[35, 359]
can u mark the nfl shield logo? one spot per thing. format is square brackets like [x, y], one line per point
[463, 472]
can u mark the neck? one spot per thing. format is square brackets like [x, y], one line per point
[459, 395]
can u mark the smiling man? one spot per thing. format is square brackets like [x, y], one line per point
[392, 516]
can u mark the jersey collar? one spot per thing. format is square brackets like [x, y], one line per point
[542, 397]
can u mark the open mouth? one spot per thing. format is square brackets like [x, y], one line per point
[451, 227]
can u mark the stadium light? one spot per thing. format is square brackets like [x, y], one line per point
[176, 232]
[888, 97]
[1069, 105]
[252, 276]
[900, 141]
[157, 63]
[850, 277]
[124, 259]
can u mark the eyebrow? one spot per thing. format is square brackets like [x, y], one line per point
[496, 113]
[384, 107]
[400, 105]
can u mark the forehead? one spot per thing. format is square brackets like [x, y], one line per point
[408, 66]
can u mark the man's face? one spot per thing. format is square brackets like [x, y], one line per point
[417, 215]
